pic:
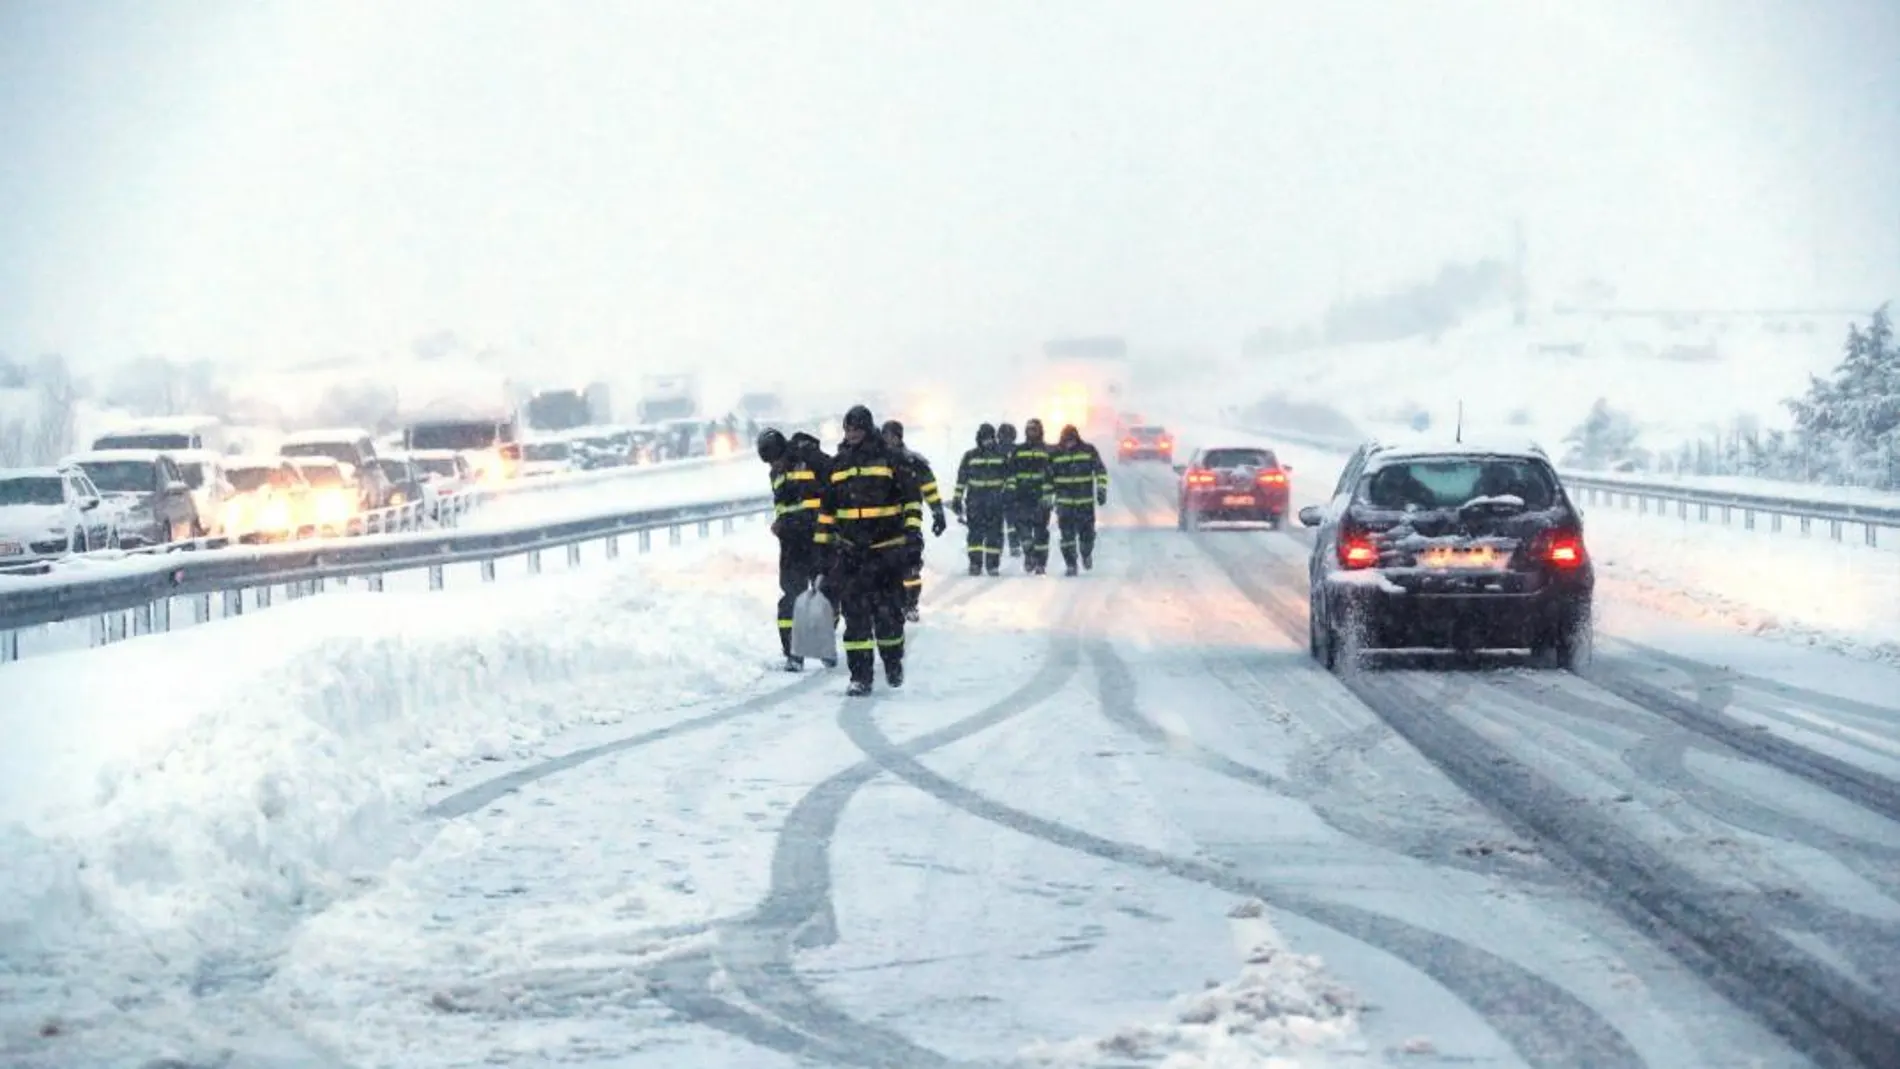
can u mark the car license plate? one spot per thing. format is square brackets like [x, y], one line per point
[11, 549]
[1237, 499]
[1464, 558]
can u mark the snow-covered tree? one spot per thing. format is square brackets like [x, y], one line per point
[1606, 437]
[1848, 425]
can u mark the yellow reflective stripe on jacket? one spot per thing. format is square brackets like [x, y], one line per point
[929, 491]
[806, 505]
[881, 470]
[879, 512]
[891, 543]
[802, 475]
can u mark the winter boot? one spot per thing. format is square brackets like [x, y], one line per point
[993, 571]
[1069, 569]
[1088, 559]
[829, 662]
[794, 664]
[894, 673]
[911, 615]
[859, 688]
[976, 567]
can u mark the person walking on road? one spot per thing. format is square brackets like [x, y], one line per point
[798, 472]
[871, 523]
[1033, 492]
[981, 496]
[1012, 524]
[918, 468]
[1081, 482]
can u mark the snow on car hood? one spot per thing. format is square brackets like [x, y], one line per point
[31, 519]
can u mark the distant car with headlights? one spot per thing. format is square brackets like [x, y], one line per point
[1456, 547]
[492, 444]
[553, 456]
[1146, 441]
[203, 471]
[354, 450]
[446, 470]
[48, 513]
[1243, 484]
[270, 499]
[336, 501]
[147, 491]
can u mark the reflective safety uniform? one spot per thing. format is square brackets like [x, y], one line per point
[981, 498]
[871, 524]
[1032, 495]
[797, 492]
[920, 474]
[1081, 482]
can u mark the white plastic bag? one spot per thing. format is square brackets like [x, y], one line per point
[814, 627]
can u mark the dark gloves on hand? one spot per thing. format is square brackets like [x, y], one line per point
[1101, 497]
[938, 524]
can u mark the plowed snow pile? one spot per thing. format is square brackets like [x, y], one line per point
[1281, 1012]
[171, 806]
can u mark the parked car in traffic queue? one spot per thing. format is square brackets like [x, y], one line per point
[1233, 484]
[1145, 442]
[146, 490]
[270, 499]
[336, 499]
[350, 447]
[203, 472]
[49, 513]
[1453, 547]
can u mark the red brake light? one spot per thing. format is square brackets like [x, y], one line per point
[1128, 443]
[1358, 553]
[1564, 549]
[1272, 478]
[1166, 443]
[1200, 477]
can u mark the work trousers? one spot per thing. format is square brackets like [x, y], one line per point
[985, 520]
[1076, 523]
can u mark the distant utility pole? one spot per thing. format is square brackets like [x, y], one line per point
[1520, 269]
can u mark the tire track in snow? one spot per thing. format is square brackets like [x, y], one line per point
[755, 952]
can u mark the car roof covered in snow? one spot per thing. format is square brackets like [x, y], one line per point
[434, 454]
[108, 456]
[196, 456]
[254, 460]
[163, 425]
[325, 434]
[315, 462]
[1392, 452]
[29, 473]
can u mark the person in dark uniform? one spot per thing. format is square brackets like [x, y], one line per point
[871, 524]
[797, 488]
[1033, 495]
[918, 468]
[981, 495]
[1012, 524]
[1081, 482]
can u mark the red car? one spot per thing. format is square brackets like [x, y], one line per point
[1146, 442]
[1243, 483]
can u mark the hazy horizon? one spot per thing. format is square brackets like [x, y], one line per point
[742, 185]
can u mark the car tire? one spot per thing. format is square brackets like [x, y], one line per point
[1569, 645]
[80, 543]
[1181, 519]
[1318, 644]
[113, 541]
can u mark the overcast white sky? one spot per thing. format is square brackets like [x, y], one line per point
[739, 181]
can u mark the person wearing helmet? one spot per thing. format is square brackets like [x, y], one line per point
[920, 473]
[1081, 482]
[871, 525]
[1006, 445]
[982, 490]
[797, 485]
[1033, 495]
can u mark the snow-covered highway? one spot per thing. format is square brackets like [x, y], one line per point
[1116, 820]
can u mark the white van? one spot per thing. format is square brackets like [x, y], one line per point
[167, 435]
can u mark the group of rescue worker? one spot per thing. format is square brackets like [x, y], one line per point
[850, 524]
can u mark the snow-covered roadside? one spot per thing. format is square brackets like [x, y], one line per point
[171, 807]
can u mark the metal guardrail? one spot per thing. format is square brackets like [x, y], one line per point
[1691, 502]
[139, 600]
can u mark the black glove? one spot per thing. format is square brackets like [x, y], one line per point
[1101, 497]
[938, 524]
[957, 507]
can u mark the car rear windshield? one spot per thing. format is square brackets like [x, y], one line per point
[341, 452]
[474, 434]
[1453, 482]
[147, 441]
[121, 476]
[1239, 458]
[437, 466]
[1146, 432]
[251, 480]
[545, 451]
[394, 470]
[32, 491]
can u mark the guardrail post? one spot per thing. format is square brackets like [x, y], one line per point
[1873, 533]
[673, 535]
[1834, 530]
[573, 554]
[534, 562]
[705, 528]
[1748, 519]
[1774, 522]
[1642, 504]
[373, 582]
[725, 525]
[162, 615]
[488, 571]
[1728, 514]
[646, 541]
[435, 577]
[1807, 524]
[1682, 509]
[9, 646]
[142, 619]
[201, 609]
[1702, 511]
[234, 602]
[613, 547]
[262, 597]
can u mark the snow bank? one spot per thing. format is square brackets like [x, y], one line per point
[170, 808]
[1281, 1012]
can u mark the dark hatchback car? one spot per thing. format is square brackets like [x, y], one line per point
[1451, 548]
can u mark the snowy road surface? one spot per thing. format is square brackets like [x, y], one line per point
[1111, 821]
